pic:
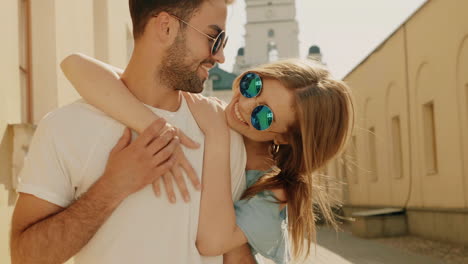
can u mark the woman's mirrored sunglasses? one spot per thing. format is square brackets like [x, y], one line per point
[250, 86]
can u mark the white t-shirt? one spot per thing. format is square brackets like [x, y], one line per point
[69, 153]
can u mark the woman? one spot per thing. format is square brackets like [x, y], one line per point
[294, 118]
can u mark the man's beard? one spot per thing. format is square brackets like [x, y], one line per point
[175, 73]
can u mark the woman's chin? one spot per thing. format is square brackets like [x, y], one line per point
[231, 121]
[234, 125]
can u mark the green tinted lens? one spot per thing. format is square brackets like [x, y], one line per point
[261, 117]
[250, 85]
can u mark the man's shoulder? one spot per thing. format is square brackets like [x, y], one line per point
[77, 114]
[78, 119]
[216, 100]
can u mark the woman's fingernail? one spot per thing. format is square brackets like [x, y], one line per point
[186, 198]
[173, 200]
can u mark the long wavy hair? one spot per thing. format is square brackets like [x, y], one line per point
[324, 119]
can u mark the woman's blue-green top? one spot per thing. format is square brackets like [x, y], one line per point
[262, 222]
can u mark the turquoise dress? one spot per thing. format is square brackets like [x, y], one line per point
[264, 225]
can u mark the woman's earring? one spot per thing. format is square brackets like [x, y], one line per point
[274, 148]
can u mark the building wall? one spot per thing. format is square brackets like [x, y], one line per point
[58, 28]
[10, 113]
[379, 88]
[10, 95]
[421, 69]
[112, 31]
[434, 49]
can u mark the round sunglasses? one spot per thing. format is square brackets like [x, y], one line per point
[219, 41]
[250, 86]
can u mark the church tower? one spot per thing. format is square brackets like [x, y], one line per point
[271, 33]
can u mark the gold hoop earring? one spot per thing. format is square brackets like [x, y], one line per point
[274, 148]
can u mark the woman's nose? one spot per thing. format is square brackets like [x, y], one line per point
[246, 105]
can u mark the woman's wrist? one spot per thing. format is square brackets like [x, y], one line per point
[218, 133]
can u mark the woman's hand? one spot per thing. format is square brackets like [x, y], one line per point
[208, 113]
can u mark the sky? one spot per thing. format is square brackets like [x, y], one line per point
[347, 31]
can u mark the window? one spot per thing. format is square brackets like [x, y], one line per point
[324, 178]
[25, 59]
[344, 184]
[397, 150]
[215, 77]
[271, 33]
[344, 168]
[352, 165]
[372, 155]
[466, 94]
[272, 52]
[429, 138]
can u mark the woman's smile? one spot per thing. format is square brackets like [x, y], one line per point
[238, 115]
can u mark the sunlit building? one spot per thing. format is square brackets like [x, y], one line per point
[410, 146]
[36, 36]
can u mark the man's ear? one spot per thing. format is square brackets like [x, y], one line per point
[165, 27]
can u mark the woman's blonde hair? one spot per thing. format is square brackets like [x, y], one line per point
[324, 119]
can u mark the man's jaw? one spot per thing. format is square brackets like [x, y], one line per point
[205, 68]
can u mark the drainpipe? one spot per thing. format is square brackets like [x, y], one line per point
[408, 110]
[29, 85]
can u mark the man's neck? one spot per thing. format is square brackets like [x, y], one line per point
[143, 81]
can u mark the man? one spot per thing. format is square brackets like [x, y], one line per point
[72, 204]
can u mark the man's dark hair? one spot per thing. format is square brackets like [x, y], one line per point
[142, 11]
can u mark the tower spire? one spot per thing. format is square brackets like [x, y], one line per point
[271, 33]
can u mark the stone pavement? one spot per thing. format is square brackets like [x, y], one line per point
[343, 248]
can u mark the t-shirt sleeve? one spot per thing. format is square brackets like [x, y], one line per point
[259, 219]
[43, 174]
[238, 161]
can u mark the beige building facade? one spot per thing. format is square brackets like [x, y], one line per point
[36, 36]
[410, 146]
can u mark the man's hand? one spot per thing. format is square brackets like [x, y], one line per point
[134, 165]
[175, 173]
[46, 233]
[209, 115]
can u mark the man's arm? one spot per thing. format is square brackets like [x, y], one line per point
[46, 233]
[43, 232]
[100, 85]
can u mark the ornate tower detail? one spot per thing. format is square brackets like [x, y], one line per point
[315, 53]
[271, 32]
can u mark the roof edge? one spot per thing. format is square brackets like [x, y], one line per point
[402, 24]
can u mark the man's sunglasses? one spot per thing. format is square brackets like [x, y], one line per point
[250, 86]
[219, 41]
